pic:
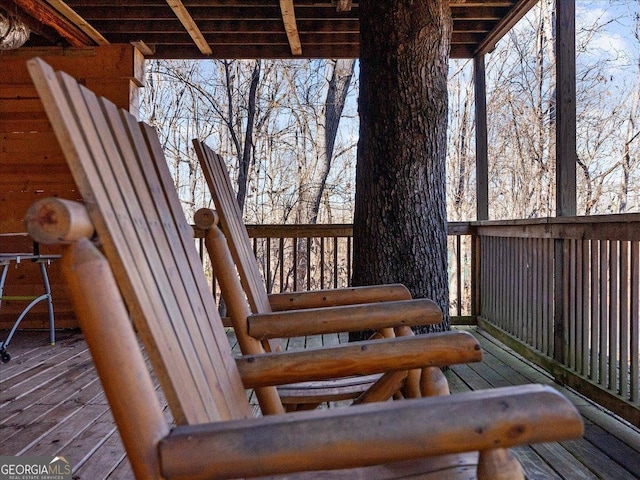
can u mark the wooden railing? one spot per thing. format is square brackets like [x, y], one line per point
[307, 257]
[566, 294]
[303, 257]
[562, 292]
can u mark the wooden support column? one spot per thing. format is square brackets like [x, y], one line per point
[482, 175]
[32, 165]
[565, 161]
[565, 108]
[482, 157]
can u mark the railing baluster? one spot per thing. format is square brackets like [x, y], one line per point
[295, 265]
[624, 319]
[634, 314]
[604, 312]
[322, 270]
[571, 305]
[335, 262]
[584, 307]
[595, 309]
[308, 263]
[268, 266]
[614, 293]
[349, 260]
[458, 251]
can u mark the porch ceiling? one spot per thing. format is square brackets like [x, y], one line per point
[242, 28]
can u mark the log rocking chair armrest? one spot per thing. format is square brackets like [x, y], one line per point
[339, 296]
[371, 434]
[369, 316]
[359, 358]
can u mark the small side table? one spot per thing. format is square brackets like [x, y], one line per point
[43, 260]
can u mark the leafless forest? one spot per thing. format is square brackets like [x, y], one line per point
[288, 129]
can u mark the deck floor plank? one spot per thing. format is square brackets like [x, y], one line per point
[614, 448]
[597, 461]
[608, 443]
[109, 459]
[33, 349]
[53, 393]
[54, 405]
[122, 472]
[563, 463]
[32, 433]
[535, 465]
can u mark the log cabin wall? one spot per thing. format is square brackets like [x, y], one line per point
[32, 165]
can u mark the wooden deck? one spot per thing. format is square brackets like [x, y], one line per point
[51, 403]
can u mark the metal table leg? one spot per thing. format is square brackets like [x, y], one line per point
[42, 260]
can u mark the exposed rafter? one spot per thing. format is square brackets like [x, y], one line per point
[290, 26]
[252, 28]
[344, 5]
[505, 24]
[78, 21]
[187, 21]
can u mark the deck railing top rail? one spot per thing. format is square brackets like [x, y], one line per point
[597, 227]
[623, 227]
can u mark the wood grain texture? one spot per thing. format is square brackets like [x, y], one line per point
[359, 358]
[344, 318]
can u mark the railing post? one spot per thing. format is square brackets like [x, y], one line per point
[565, 156]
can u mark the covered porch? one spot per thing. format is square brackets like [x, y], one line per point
[562, 293]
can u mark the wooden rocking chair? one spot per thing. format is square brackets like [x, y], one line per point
[388, 309]
[152, 274]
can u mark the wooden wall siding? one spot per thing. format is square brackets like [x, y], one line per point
[32, 164]
[600, 277]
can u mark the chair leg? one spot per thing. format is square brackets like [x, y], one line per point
[383, 389]
[499, 464]
[412, 386]
[433, 382]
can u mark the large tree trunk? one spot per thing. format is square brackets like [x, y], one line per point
[400, 220]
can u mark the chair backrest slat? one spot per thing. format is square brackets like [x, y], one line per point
[122, 175]
[217, 177]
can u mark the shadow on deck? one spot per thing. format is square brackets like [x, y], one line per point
[51, 403]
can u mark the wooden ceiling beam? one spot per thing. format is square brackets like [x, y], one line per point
[239, 27]
[227, 3]
[45, 14]
[480, 13]
[212, 12]
[190, 25]
[78, 21]
[290, 26]
[258, 51]
[344, 5]
[257, 38]
[461, 5]
[504, 25]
